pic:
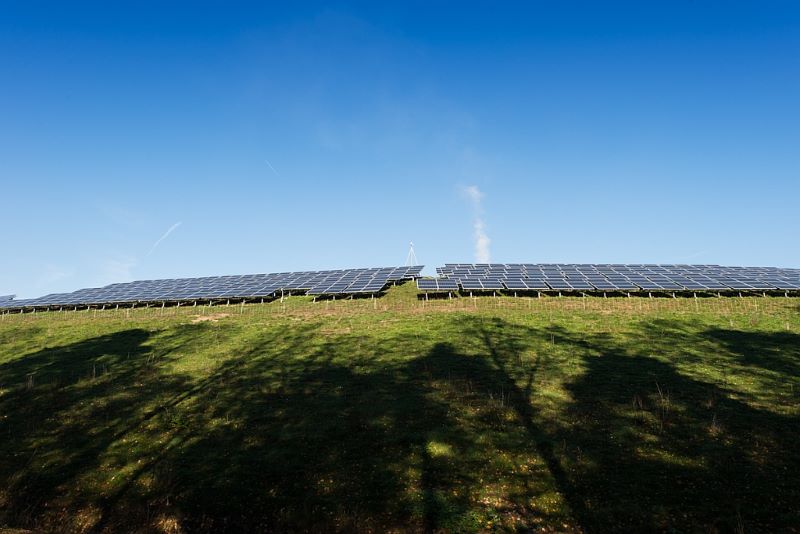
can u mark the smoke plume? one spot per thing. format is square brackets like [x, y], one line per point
[482, 240]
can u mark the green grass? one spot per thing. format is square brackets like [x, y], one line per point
[559, 414]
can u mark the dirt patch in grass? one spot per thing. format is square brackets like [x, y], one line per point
[213, 318]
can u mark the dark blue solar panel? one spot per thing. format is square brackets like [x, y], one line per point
[621, 277]
[427, 284]
[558, 284]
[471, 283]
[536, 284]
[226, 287]
[516, 283]
[492, 283]
[581, 284]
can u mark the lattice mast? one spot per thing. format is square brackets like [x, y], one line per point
[411, 259]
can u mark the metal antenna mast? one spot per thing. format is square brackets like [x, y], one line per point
[411, 259]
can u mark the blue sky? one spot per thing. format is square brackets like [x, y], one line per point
[271, 138]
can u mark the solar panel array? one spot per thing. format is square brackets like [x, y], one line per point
[253, 286]
[611, 277]
[452, 277]
[441, 284]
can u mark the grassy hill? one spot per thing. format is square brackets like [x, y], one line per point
[559, 414]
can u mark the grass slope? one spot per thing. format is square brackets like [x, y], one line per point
[559, 414]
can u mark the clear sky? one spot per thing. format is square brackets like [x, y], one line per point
[160, 139]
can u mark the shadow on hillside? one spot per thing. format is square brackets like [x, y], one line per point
[652, 449]
[774, 351]
[292, 434]
[313, 444]
[67, 408]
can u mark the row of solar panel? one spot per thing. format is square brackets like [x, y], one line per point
[669, 275]
[625, 277]
[553, 269]
[632, 274]
[582, 266]
[348, 281]
[563, 284]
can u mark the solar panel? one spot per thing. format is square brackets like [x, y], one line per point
[492, 283]
[370, 280]
[427, 284]
[620, 277]
[558, 284]
[581, 285]
[536, 284]
[515, 283]
[447, 284]
[319, 290]
[604, 284]
[517, 277]
[471, 283]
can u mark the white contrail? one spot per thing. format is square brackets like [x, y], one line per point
[482, 240]
[273, 168]
[163, 237]
[695, 255]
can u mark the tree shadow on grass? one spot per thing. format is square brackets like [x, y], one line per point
[773, 351]
[356, 433]
[295, 435]
[649, 448]
[301, 441]
[63, 410]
